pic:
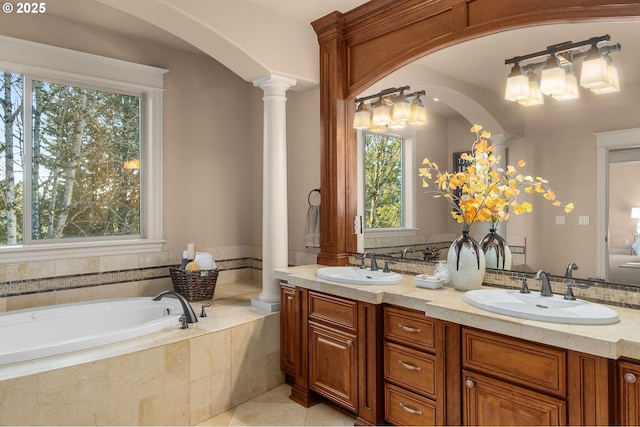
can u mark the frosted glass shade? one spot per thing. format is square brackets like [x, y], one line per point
[401, 111]
[517, 85]
[553, 79]
[570, 88]
[613, 84]
[418, 114]
[381, 115]
[535, 96]
[594, 71]
[362, 118]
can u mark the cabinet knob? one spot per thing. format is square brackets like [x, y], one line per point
[349, 342]
[469, 383]
[630, 378]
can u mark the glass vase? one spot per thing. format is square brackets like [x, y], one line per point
[497, 253]
[466, 263]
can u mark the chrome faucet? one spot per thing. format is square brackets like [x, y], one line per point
[374, 264]
[188, 312]
[405, 250]
[545, 289]
[569, 271]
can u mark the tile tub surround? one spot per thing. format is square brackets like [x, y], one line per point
[171, 377]
[38, 283]
[612, 341]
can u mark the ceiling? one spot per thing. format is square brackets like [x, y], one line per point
[478, 63]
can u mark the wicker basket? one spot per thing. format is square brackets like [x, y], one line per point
[194, 285]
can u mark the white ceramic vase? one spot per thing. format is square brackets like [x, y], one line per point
[466, 263]
[497, 253]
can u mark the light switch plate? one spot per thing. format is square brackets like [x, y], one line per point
[583, 220]
[560, 219]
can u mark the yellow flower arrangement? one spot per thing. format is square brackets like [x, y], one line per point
[484, 192]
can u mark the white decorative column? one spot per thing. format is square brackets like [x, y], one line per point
[275, 248]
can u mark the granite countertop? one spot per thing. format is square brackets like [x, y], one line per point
[621, 339]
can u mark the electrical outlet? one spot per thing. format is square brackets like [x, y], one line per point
[583, 220]
[560, 219]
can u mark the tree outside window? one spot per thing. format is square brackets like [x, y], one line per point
[383, 181]
[76, 175]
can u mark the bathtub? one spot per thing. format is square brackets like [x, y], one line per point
[47, 331]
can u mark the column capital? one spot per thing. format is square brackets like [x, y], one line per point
[274, 84]
[500, 139]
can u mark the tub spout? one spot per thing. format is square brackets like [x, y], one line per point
[189, 314]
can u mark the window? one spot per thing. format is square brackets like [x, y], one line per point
[388, 187]
[80, 154]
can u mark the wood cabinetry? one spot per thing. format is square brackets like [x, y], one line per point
[333, 349]
[628, 393]
[508, 381]
[421, 369]
[330, 348]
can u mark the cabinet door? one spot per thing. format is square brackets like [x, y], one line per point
[289, 330]
[488, 401]
[628, 393]
[333, 365]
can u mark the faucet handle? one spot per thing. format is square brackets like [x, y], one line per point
[568, 295]
[203, 312]
[385, 269]
[183, 322]
[524, 289]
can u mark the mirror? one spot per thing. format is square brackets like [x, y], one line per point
[555, 139]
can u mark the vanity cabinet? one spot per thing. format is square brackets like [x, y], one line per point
[421, 368]
[628, 396]
[330, 348]
[508, 381]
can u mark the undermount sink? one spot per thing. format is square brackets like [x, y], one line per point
[358, 276]
[533, 306]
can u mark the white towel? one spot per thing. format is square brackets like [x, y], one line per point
[312, 227]
[204, 260]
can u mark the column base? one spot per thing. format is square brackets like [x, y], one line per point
[265, 305]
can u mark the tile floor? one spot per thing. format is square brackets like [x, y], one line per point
[274, 408]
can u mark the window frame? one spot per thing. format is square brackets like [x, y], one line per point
[43, 62]
[408, 187]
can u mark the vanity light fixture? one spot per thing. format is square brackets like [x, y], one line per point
[556, 65]
[390, 108]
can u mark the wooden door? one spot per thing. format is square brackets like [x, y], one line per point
[333, 365]
[491, 402]
[628, 379]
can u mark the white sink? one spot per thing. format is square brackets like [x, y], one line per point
[533, 306]
[357, 276]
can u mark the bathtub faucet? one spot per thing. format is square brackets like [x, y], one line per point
[189, 314]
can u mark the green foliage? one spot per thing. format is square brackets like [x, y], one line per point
[383, 181]
[79, 186]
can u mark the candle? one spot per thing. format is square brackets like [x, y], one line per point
[191, 251]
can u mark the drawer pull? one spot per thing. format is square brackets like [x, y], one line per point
[410, 410]
[349, 342]
[630, 378]
[469, 383]
[409, 328]
[409, 366]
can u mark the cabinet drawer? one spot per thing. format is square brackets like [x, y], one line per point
[409, 327]
[521, 362]
[404, 408]
[410, 368]
[335, 311]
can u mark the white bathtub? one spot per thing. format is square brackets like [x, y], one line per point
[46, 331]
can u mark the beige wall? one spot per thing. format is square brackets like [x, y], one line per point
[210, 117]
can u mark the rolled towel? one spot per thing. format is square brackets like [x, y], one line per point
[311, 237]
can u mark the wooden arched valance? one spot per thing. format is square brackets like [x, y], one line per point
[359, 47]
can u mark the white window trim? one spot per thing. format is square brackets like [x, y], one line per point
[409, 195]
[35, 59]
